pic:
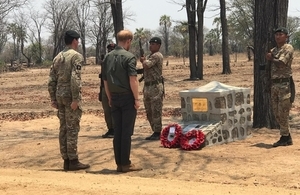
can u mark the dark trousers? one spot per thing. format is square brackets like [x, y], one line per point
[107, 110]
[124, 115]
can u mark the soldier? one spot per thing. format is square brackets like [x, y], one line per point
[281, 58]
[153, 87]
[64, 87]
[121, 86]
[104, 100]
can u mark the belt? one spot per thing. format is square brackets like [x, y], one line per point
[121, 93]
[150, 83]
[281, 80]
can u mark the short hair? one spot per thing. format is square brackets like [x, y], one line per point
[68, 40]
[124, 35]
[70, 35]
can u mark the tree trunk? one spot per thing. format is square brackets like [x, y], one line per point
[23, 53]
[40, 49]
[191, 15]
[225, 48]
[83, 43]
[200, 13]
[166, 38]
[269, 14]
[117, 13]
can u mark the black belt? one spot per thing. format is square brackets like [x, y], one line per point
[150, 83]
[281, 80]
[121, 93]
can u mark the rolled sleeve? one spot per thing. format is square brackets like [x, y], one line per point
[132, 66]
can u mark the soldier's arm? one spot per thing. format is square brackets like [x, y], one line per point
[52, 82]
[77, 62]
[151, 61]
[284, 57]
[278, 63]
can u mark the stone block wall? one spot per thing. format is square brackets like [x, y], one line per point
[217, 102]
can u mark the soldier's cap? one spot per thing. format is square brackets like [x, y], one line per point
[282, 29]
[72, 33]
[155, 40]
[111, 46]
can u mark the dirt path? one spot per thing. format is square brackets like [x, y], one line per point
[31, 163]
[21, 181]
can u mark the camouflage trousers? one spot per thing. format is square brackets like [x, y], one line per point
[153, 102]
[281, 105]
[69, 128]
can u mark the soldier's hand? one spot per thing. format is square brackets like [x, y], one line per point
[54, 104]
[74, 105]
[269, 56]
[142, 59]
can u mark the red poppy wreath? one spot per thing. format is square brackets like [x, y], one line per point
[170, 136]
[192, 140]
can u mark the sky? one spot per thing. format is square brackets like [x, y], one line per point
[148, 12]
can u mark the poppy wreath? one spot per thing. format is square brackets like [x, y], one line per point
[171, 139]
[192, 140]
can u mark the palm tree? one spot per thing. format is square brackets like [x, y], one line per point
[12, 29]
[139, 36]
[166, 23]
[182, 29]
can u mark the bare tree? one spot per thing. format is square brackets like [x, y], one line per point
[82, 12]
[3, 33]
[101, 27]
[6, 6]
[225, 48]
[38, 20]
[60, 14]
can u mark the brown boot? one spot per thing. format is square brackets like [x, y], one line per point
[66, 164]
[119, 168]
[76, 165]
[129, 168]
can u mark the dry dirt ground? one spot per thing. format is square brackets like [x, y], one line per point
[31, 164]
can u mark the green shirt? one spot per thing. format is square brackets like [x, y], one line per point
[118, 66]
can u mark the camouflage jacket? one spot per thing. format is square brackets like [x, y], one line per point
[284, 54]
[154, 63]
[65, 75]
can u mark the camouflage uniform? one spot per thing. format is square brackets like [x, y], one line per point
[64, 87]
[153, 90]
[280, 88]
